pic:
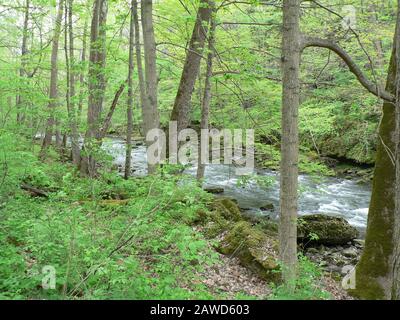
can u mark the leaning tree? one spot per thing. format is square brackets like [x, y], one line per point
[377, 273]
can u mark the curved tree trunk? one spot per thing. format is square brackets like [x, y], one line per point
[181, 110]
[377, 272]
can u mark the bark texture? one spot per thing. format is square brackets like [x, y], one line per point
[129, 110]
[181, 109]
[377, 273]
[70, 96]
[206, 101]
[151, 118]
[290, 139]
[53, 92]
[96, 77]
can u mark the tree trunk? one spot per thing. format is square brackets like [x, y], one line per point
[205, 106]
[151, 117]
[24, 51]
[70, 95]
[82, 74]
[142, 86]
[181, 110]
[129, 126]
[96, 85]
[377, 272]
[107, 119]
[53, 81]
[290, 140]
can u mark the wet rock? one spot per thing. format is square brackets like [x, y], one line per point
[268, 207]
[214, 190]
[350, 252]
[359, 243]
[312, 250]
[326, 230]
[333, 268]
[139, 143]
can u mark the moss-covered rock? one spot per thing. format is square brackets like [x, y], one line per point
[255, 249]
[222, 213]
[323, 229]
[226, 208]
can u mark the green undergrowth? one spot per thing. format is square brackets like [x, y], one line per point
[307, 286]
[103, 238]
[106, 238]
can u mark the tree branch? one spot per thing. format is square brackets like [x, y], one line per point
[107, 120]
[365, 82]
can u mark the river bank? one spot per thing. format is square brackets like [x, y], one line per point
[344, 196]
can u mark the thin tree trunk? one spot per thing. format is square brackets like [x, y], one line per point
[24, 51]
[151, 117]
[82, 74]
[142, 85]
[110, 113]
[129, 126]
[102, 53]
[181, 110]
[205, 107]
[70, 95]
[290, 140]
[53, 81]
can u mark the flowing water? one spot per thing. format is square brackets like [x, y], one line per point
[334, 196]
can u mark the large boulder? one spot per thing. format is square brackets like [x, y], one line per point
[255, 249]
[252, 245]
[324, 229]
[227, 208]
[222, 213]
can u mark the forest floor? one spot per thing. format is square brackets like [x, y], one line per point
[229, 276]
[110, 238]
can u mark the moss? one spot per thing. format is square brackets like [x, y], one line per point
[330, 230]
[269, 227]
[373, 269]
[255, 249]
[226, 208]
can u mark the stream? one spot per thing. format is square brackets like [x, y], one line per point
[328, 195]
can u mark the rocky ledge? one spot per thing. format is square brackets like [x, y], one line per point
[328, 241]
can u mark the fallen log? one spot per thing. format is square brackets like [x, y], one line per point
[34, 192]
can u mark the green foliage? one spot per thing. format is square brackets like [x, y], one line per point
[268, 156]
[77, 232]
[308, 284]
[264, 182]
